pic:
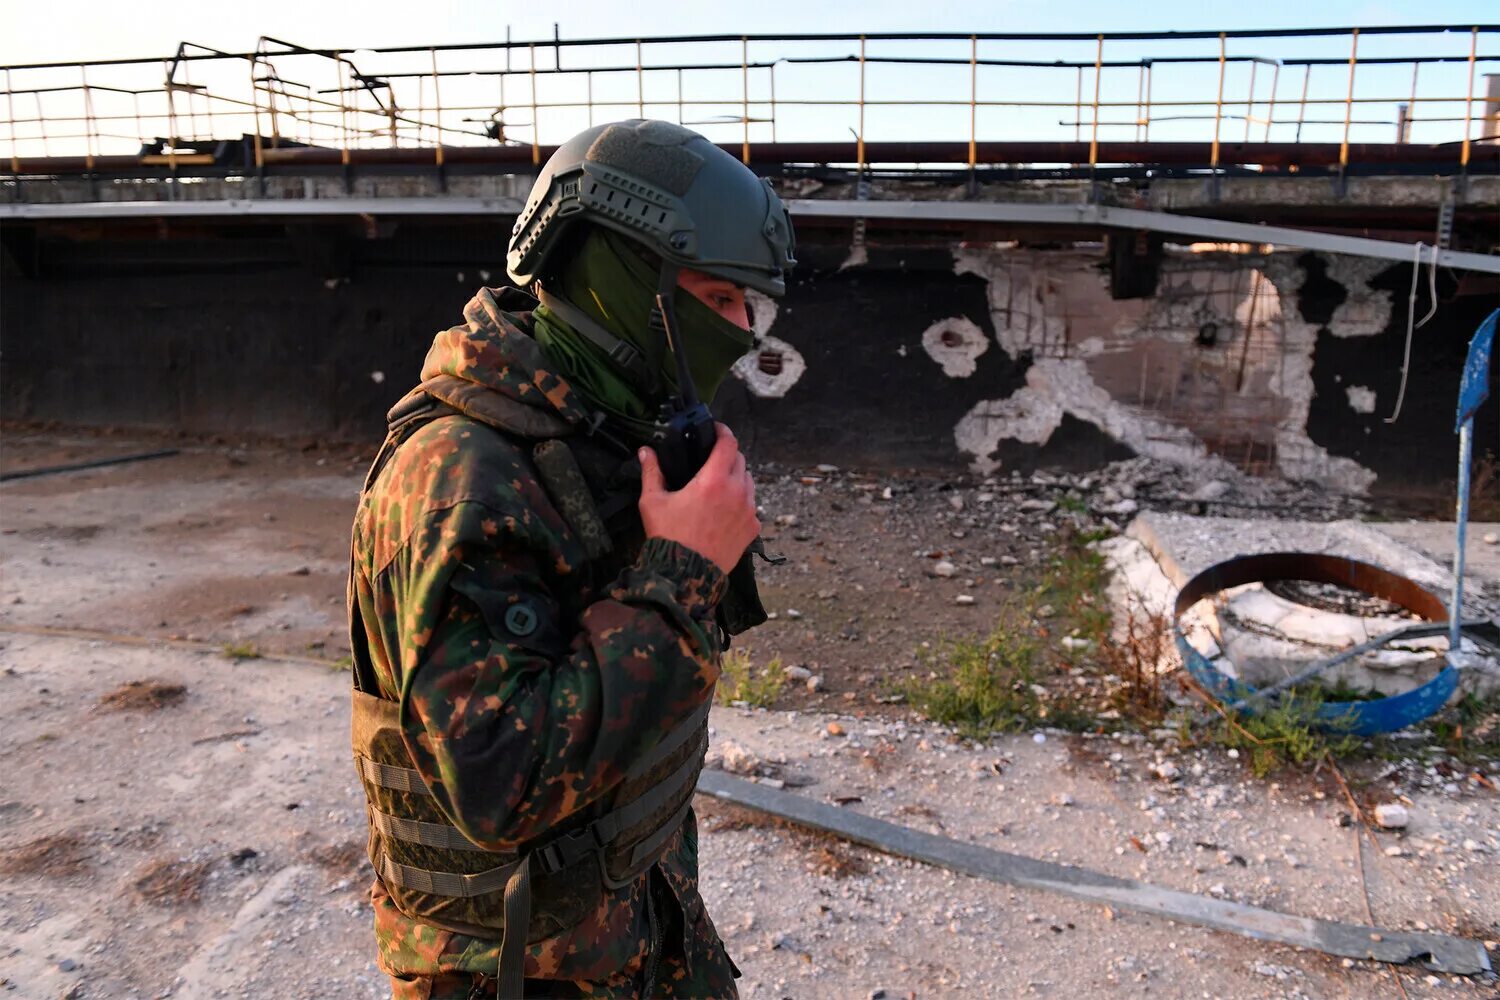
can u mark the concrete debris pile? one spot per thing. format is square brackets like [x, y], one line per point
[1213, 487]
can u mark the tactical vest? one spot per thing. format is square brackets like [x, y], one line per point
[434, 873]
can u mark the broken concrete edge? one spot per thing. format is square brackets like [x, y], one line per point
[1357, 718]
[1439, 952]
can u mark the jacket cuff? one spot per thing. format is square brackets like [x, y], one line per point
[699, 584]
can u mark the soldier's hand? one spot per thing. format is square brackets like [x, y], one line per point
[714, 514]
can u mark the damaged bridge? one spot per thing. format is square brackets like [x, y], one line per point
[1262, 246]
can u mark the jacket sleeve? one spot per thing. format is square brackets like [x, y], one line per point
[515, 725]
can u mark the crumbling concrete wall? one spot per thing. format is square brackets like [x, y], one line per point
[992, 356]
[1221, 360]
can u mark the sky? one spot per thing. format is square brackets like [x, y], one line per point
[104, 29]
[98, 29]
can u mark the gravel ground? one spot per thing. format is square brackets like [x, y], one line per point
[207, 842]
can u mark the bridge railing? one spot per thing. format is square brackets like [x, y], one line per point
[1321, 98]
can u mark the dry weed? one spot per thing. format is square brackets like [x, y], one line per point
[346, 858]
[172, 883]
[143, 696]
[56, 855]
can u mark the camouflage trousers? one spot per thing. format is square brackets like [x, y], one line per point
[707, 973]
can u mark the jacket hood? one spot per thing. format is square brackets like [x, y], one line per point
[493, 348]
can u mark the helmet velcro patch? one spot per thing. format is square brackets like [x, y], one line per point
[671, 167]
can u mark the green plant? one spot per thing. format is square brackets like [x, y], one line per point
[1076, 577]
[991, 685]
[1285, 733]
[1073, 505]
[739, 681]
[242, 650]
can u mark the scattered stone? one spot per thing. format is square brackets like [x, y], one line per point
[815, 683]
[793, 614]
[1490, 538]
[1167, 771]
[66, 965]
[964, 599]
[834, 729]
[1073, 643]
[944, 569]
[737, 759]
[1392, 815]
[797, 674]
[1214, 489]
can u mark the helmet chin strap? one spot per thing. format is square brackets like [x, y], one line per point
[624, 354]
[664, 321]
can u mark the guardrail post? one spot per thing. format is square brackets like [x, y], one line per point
[260, 156]
[973, 105]
[859, 139]
[1349, 101]
[1213, 156]
[640, 83]
[1463, 157]
[1271, 108]
[1302, 107]
[745, 99]
[437, 101]
[1098, 74]
[10, 104]
[536, 145]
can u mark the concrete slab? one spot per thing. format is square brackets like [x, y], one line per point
[1262, 637]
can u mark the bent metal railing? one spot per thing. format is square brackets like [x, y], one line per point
[1292, 99]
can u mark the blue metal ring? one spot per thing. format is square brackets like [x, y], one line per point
[1359, 718]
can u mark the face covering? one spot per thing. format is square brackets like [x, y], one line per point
[611, 283]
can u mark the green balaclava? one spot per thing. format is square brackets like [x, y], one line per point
[616, 287]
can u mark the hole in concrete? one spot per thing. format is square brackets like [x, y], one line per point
[951, 338]
[770, 362]
[1208, 334]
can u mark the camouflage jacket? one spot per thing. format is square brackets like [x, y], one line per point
[516, 733]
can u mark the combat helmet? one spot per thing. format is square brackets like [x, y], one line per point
[666, 187]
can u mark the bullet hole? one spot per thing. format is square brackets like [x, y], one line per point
[951, 338]
[770, 362]
[1208, 334]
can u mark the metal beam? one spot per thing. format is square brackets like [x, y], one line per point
[1105, 216]
[1089, 215]
[239, 207]
[1438, 951]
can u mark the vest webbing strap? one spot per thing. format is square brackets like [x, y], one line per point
[400, 779]
[450, 884]
[649, 848]
[672, 741]
[653, 799]
[427, 834]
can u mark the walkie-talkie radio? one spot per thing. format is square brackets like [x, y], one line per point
[687, 434]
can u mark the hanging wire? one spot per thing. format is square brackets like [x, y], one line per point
[1411, 312]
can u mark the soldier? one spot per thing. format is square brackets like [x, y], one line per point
[536, 620]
